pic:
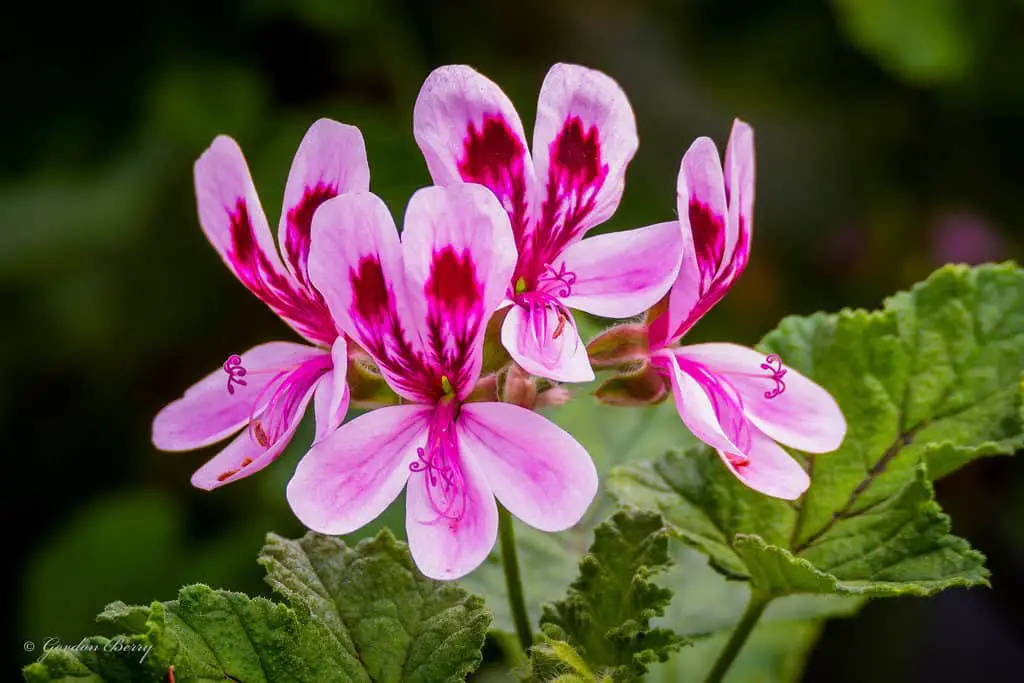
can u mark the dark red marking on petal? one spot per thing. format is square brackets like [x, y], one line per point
[227, 475]
[298, 225]
[577, 152]
[455, 315]
[372, 298]
[495, 157]
[301, 305]
[576, 174]
[708, 230]
[453, 283]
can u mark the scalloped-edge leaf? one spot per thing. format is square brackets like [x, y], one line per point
[361, 614]
[608, 610]
[934, 380]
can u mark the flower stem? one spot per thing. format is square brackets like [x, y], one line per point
[512, 578]
[755, 608]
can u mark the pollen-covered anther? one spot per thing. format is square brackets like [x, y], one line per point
[773, 364]
[235, 371]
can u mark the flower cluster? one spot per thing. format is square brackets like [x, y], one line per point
[454, 333]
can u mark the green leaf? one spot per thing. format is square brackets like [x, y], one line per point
[608, 611]
[929, 383]
[357, 615]
[375, 607]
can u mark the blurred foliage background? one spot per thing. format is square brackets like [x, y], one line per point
[888, 143]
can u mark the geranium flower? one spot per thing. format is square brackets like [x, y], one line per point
[583, 140]
[266, 389]
[420, 307]
[733, 398]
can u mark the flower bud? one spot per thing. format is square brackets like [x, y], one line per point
[519, 388]
[619, 345]
[643, 387]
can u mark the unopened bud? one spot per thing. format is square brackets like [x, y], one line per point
[553, 397]
[641, 388]
[367, 388]
[618, 345]
[519, 388]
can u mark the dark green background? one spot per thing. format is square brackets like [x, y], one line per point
[888, 142]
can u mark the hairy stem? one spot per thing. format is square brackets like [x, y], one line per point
[513, 580]
[751, 615]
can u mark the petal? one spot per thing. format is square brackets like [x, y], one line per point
[528, 336]
[621, 274]
[330, 403]
[584, 139]
[356, 263]
[770, 469]
[697, 407]
[446, 548]
[469, 131]
[459, 254]
[803, 416]
[234, 222]
[349, 478]
[331, 160]
[739, 186]
[536, 470]
[209, 412]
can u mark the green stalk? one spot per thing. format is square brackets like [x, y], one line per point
[751, 615]
[513, 579]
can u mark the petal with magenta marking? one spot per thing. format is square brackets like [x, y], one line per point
[356, 263]
[621, 274]
[584, 139]
[330, 403]
[331, 160]
[217, 405]
[245, 455]
[536, 470]
[769, 469]
[459, 253]
[800, 413]
[448, 547]
[739, 186]
[349, 478]
[469, 131]
[545, 342]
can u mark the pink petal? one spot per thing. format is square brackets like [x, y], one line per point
[739, 184]
[330, 403]
[349, 478]
[469, 131]
[234, 222]
[331, 160]
[536, 470]
[621, 274]
[208, 412]
[528, 336]
[356, 263]
[697, 407]
[584, 139]
[770, 469]
[459, 254]
[446, 548]
[803, 416]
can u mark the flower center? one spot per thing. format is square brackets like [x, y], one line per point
[438, 460]
[277, 405]
[773, 364]
[546, 315]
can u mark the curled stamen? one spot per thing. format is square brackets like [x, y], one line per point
[773, 364]
[233, 366]
[438, 462]
[562, 276]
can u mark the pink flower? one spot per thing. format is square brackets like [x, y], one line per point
[266, 389]
[420, 307]
[735, 399]
[584, 138]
